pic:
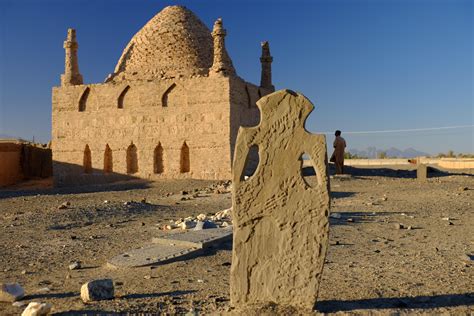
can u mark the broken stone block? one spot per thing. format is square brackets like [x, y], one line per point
[11, 292]
[37, 309]
[97, 290]
[280, 221]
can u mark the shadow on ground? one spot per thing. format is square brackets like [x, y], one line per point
[418, 302]
[119, 186]
[50, 295]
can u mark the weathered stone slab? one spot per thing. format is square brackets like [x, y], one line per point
[171, 246]
[280, 221]
[196, 238]
[148, 255]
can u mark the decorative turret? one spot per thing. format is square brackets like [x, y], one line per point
[222, 63]
[71, 74]
[266, 60]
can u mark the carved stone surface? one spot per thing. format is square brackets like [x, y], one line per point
[280, 222]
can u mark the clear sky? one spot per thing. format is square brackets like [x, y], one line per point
[366, 65]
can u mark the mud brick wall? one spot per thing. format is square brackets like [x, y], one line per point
[20, 162]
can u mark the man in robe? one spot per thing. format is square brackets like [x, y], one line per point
[338, 155]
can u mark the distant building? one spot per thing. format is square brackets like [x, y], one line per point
[171, 109]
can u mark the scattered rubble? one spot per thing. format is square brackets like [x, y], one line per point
[202, 221]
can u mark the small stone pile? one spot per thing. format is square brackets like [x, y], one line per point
[202, 221]
[220, 188]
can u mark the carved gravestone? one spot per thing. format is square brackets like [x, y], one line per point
[280, 221]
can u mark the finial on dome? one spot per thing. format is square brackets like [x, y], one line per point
[266, 60]
[222, 63]
[71, 74]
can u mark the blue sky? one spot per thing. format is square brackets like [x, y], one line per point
[366, 65]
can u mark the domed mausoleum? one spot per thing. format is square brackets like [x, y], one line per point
[171, 108]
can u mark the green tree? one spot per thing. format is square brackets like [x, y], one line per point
[382, 155]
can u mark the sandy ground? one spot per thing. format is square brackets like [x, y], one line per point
[372, 267]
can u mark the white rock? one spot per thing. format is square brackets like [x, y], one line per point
[97, 290]
[11, 292]
[37, 309]
[335, 215]
[201, 217]
[75, 265]
[19, 304]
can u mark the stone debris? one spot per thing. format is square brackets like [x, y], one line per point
[335, 215]
[37, 309]
[97, 290]
[399, 226]
[11, 292]
[200, 225]
[187, 224]
[65, 205]
[280, 222]
[75, 265]
[19, 304]
[220, 219]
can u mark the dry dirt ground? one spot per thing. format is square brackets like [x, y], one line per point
[372, 266]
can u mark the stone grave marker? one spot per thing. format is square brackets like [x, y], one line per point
[280, 221]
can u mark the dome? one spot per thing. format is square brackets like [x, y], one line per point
[174, 43]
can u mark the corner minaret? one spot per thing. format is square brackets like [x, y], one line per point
[71, 74]
[266, 60]
[222, 63]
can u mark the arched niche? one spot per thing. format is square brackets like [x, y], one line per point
[184, 159]
[108, 161]
[132, 159]
[158, 165]
[87, 160]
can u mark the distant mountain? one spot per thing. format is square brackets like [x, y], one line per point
[5, 136]
[373, 152]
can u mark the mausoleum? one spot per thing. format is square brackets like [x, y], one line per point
[171, 108]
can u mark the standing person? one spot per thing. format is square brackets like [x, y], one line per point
[338, 155]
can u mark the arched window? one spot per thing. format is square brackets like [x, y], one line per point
[164, 99]
[87, 160]
[132, 159]
[121, 97]
[108, 163]
[158, 159]
[83, 100]
[184, 164]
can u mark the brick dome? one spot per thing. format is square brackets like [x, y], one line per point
[174, 43]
